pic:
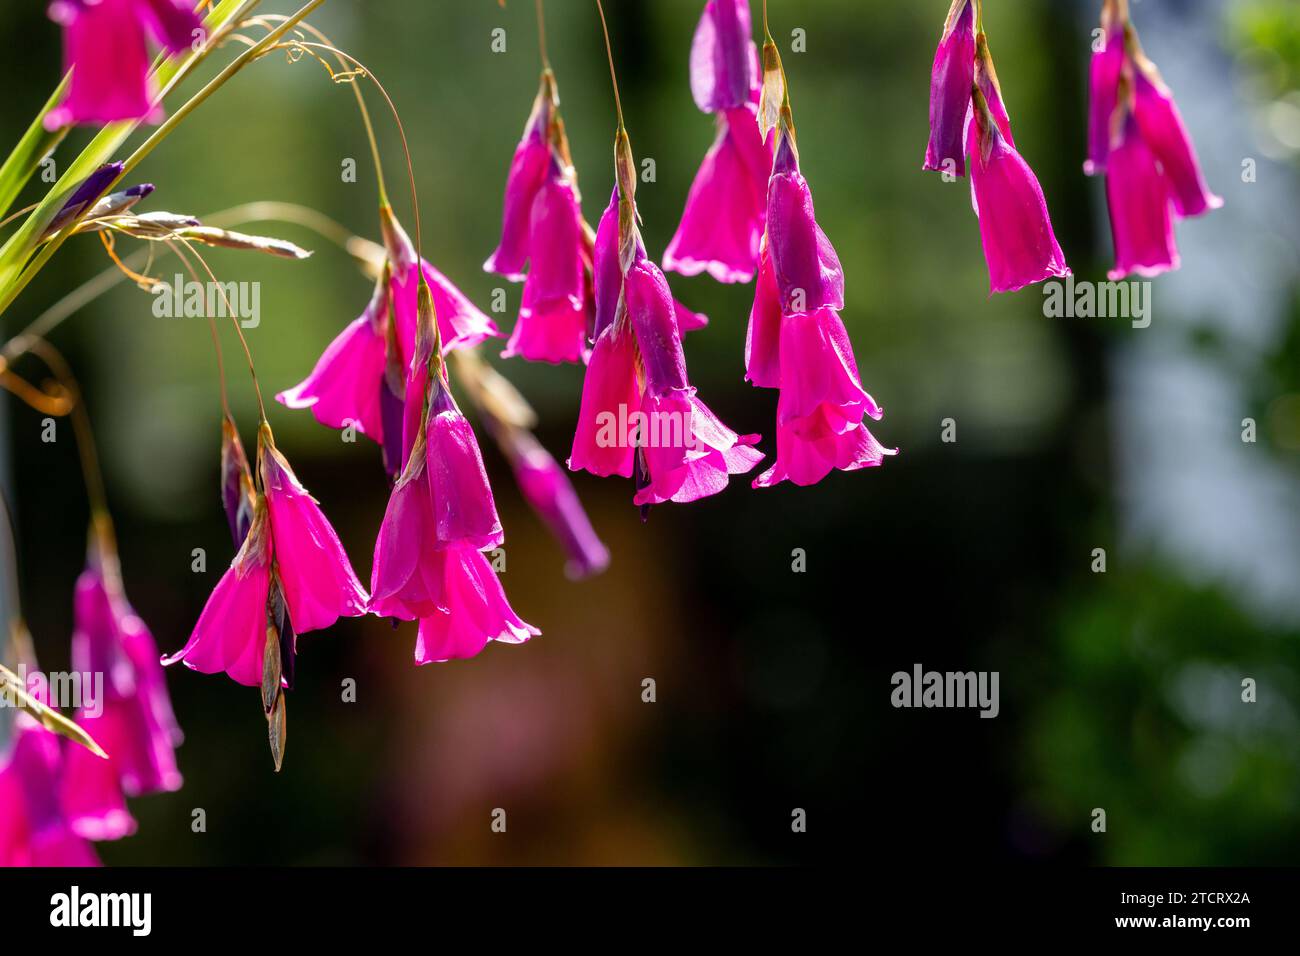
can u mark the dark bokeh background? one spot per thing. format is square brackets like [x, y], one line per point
[1119, 690]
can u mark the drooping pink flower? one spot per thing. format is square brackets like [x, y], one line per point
[723, 220]
[637, 390]
[464, 512]
[1141, 208]
[315, 575]
[362, 376]
[1103, 95]
[804, 263]
[104, 45]
[820, 413]
[654, 320]
[700, 465]
[951, 79]
[528, 170]
[133, 720]
[427, 565]
[548, 490]
[798, 343]
[609, 387]
[1162, 127]
[1019, 244]
[763, 339]
[473, 612]
[606, 270]
[230, 634]
[1137, 137]
[407, 574]
[724, 60]
[552, 323]
[545, 242]
[722, 223]
[290, 548]
[344, 387]
[34, 828]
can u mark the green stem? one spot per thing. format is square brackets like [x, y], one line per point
[21, 244]
[35, 145]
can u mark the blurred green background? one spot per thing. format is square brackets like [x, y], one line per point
[1119, 690]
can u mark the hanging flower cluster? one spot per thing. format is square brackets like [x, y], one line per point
[796, 341]
[57, 795]
[639, 416]
[134, 721]
[722, 224]
[589, 295]
[544, 240]
[968, 117]
[1137, 139]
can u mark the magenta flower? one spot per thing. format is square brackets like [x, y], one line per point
[951, 80]
[528, 170]
[362, 375]
[134, 722]
[344, 388]
[543, 231]
[464, 512]
[822, 405]
[35, 830]
[724, 60]
[290, 536]
[804, 263]
[723, 220]
[796, 341]
[230, 634]
[427, 566]
[1161, 126]
[315, 575]
[552, 324]
[1019, 244]
[1136, 135]
[700, 464]
[1141, 208]
[104, 46]
[474, 611]
[1103, 95]
[549, 492]
[610, 387]
[639, 415]
[763, 340]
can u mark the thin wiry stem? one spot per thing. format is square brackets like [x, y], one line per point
[361, 101]
[609, 53]
[212, 327]
[397, 118]
[234, 320]
[541, 36]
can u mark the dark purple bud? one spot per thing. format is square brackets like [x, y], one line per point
[91, 188]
